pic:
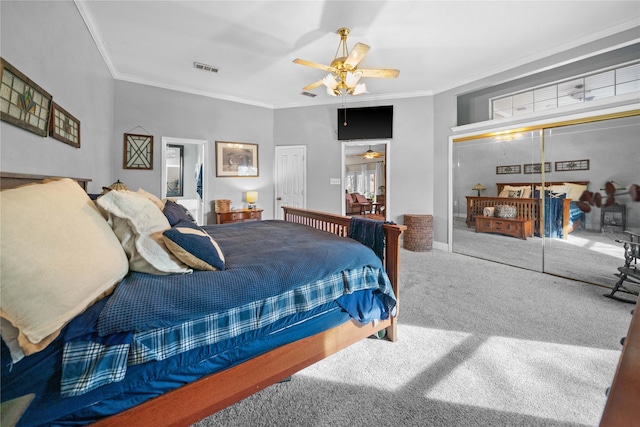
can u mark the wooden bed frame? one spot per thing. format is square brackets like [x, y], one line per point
[528, 208]
[195, 401]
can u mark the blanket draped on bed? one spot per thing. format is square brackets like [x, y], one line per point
[263, 259]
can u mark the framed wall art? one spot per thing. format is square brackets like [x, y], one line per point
[236, 159]
[22, 102]
[138, 151]
[63, 126]
[509, 169]
[572, 165]
[533, 168]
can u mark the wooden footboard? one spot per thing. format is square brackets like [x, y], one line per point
[525, 208]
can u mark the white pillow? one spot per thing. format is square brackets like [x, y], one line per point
[58, 257]
[139, 225]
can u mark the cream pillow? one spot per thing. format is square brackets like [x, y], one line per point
[575, 190]
[156, 200]
[525, 191]
[58, 256]
[139, 225]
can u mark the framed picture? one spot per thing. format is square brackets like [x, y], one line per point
[63, 126]
[175, 170]
[22, 102]
[236, 159]
[138, 151]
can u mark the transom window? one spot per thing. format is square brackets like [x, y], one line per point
[601, 84]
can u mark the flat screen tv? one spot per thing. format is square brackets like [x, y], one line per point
[365, 123]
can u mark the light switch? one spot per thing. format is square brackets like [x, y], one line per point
[335, 181]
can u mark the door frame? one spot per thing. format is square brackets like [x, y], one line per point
[387, 164]
[203, 145]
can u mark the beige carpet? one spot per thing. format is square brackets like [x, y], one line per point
[481, 344]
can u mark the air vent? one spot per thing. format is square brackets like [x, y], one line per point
[205, 67]
[309, 94]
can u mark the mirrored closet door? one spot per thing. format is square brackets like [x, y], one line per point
[483, 169]
[549, 230]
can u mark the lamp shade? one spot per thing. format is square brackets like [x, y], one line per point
[479, 186]
[118, 186]
[252, 197]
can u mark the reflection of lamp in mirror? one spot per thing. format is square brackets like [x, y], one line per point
[252, 198]
[479, 187]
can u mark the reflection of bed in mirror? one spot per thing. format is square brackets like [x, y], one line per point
[561, 210]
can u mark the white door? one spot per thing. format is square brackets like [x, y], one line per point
[291, 178]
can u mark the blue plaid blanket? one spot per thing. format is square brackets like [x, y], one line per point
[164, 328]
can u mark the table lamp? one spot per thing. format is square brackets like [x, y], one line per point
[479, 187]
[252, 198]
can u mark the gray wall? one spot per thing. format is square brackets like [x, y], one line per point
[58, 53]
[50, 44]
[411, 160]
[162, 112]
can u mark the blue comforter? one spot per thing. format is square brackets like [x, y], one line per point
[254, 271]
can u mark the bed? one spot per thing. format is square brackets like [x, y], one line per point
[560, 205]
[126, 361]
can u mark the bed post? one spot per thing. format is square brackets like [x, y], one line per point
[392, 265]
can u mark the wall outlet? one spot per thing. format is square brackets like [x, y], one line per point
[335, 181]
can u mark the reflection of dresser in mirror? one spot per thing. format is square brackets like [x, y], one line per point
[613, 217]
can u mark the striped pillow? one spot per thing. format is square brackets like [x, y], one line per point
[194, 246]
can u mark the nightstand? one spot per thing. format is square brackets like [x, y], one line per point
[238, 215]
[613, 217]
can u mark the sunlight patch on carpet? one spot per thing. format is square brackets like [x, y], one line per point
[388, 366]
[533, 378]
[615, 250]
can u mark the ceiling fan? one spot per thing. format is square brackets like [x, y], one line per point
[344, 74]
[369, 154]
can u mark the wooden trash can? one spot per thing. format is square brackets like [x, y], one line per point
[419, 234]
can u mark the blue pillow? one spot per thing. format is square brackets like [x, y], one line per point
[194, 246]
[175, 213]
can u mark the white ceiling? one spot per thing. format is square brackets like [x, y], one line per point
[436, 45]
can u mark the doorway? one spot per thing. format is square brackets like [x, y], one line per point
[185, 173]
[365, 170]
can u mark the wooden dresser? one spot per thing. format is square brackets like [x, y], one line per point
[238, 215]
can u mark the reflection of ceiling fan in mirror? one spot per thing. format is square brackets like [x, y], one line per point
[344, 74]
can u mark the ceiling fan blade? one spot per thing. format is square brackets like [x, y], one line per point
[313, 85]
[383, 73]
[314, 65]
[357, 53]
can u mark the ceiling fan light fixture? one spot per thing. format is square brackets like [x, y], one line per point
[359, 89]
[330, 81]
[344, 74]
[352, 78]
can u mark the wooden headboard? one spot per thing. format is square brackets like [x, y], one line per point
[13, 180]
[533, 185]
